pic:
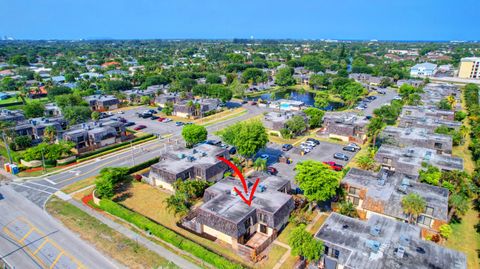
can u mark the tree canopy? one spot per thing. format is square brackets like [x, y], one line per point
[318, 182]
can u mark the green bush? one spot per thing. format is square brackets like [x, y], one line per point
[167, 235]
[143, 165]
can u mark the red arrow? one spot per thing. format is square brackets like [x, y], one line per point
[244, 183]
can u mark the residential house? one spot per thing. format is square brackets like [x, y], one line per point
[382, 193]
[200, 163]
[427, 117]
[35, 127]
[416, 137]
[58, 79]
[37, 92]
[93, 135]
[413, 82]
[195, 108]
[102, 102]
[433, 93]
[411, 160]
[347, 127]
[163, 99]
[247, 229]
[52, 110]
[277, 120]
[381, 243]
[11, 115]
[423, 70]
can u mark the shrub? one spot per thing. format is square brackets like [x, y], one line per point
[167, 235]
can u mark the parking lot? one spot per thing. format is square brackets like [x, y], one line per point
[153, 126]
[323, 153]
[381, 99]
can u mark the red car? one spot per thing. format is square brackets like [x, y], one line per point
[139, 127]
[272, 170]
[161, 119]
[335, 166]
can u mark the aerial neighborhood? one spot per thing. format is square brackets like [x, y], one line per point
[241, 153]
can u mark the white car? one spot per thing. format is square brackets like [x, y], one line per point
[397, 98]
[306, 146]
[306, 150]
[264, 156]
[353, 145]
[120, 112]
[360, 107]
[167, 120]
[310, 143]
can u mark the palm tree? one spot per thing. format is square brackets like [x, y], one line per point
[260, 164]
[413, 205]
[198, 108]
[348, 209]
[50, 134]
[374, 127]
[458, 204]
[451, 100]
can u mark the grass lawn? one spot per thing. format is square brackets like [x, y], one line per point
[466, 239]
[139, 199]
[105, 239]
[221, 116]
[315, 226]
[289, 263]
[79, 185]
[275, 253]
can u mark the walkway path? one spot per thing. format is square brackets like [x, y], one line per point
[167, 254]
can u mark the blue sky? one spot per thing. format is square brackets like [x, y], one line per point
[310, 19]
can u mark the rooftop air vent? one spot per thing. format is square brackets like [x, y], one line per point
[345, 226]
[375, 230]
[404, 240]
[373, 245]
[420, 250]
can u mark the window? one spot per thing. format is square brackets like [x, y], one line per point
[354, 200]
[353, 190]
[429, 211]
[332, 252]
[438, 145]
[262, 217]
[248, 222]
[424, 220]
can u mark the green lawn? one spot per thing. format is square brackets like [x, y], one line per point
[110, 242]
[466, 239]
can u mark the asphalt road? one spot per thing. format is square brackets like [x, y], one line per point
[30, 238]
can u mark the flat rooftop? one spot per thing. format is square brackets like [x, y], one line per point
[177, 161]
[417, 134]
[346, 118]
[416, 156]
[390, 188]
[230, 206]
[381, 243]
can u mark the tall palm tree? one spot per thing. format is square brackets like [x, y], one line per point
[50, 134]
[413, 205]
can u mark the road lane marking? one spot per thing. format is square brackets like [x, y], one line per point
[28, 187]
[50, 181]
[36, 183]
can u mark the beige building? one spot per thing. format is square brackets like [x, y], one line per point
[469, 68]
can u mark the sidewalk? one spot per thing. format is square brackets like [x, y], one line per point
[179, 261]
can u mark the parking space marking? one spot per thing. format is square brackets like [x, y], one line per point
[16, 231]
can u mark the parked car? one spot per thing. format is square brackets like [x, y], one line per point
[310, 143]
[397, 98]
[371, 98]
[313, 140]
[368, 117]
[349, 148]
[334, 166]
[145, 115]
[120, 112]
[1, 196]
[287, 147]
[213, 142]
[152, 111]
[361, 107]
[139, 127]
[160, 119]
[154, 117]
[167, 120]
[130, 123]
[272, 170]
[306, 150]
[381, 91]
[354, 145]
[122, 120]
[188, 123]
[178, 123]
[340, 156]
[232, 150]
[305, 145]
[254, 103]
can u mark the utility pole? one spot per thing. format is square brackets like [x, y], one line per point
[43, 162]
[133, 154]
[7, 147]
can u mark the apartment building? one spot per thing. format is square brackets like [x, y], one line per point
[469, 68]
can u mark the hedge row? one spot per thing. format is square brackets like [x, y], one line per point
[93, 154]
[167, 235]
[143, 165]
